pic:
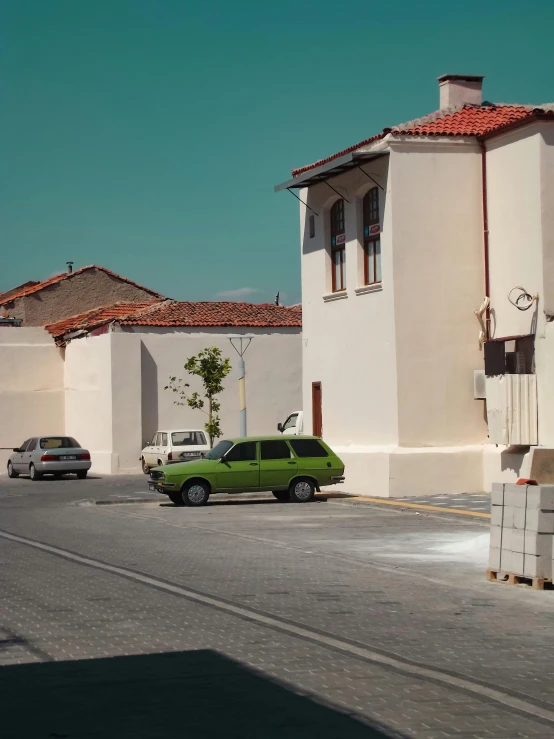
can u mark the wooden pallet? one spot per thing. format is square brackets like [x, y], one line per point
[510, 578]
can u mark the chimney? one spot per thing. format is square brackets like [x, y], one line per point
[460, 89]
[69, 267]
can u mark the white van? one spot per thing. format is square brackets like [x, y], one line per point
[168, 447]
[294, 425]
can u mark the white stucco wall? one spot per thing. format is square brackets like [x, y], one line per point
[396, 365]
[103, 399]
[31, 387]
[520, 183]
[273, 377]
[438, 284]
[349, 344]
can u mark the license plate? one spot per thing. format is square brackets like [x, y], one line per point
[67, 456]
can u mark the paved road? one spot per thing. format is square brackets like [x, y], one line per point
[259, 619]
[464, 502]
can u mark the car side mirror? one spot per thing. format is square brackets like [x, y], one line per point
[280, 427]
[17, 450]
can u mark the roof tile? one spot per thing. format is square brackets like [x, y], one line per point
[175, 313]
[470, 120]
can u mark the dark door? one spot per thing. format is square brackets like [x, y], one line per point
[317, 422]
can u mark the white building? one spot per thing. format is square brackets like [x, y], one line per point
[100, 376]
[402, 236]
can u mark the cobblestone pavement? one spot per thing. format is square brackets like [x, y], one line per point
[335, 619]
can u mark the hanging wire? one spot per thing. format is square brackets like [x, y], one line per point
[523, 296]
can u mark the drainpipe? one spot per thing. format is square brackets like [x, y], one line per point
[485, 230]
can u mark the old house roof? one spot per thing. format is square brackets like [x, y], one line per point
[468, 120]
[35, 287]
[176, 313]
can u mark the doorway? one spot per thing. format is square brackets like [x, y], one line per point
[317, 422]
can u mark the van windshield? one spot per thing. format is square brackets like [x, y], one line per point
[219, 450]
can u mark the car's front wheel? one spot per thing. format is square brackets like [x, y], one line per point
[176, 499]
[33, 474]
[145, 467]
[302, 490]
[195, 493]
[281, 495]
[11, 472]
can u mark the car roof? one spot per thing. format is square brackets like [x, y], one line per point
[179, 431]
[280, 437]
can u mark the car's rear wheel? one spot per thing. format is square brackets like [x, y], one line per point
[302, 490]
[33, 474]
[282, 495]
[11, 472]
[176, 498]
[145, 467]
[81, 474]
[195, 493]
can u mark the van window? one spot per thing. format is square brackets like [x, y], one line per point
[308, 448]
[164, 439]
[290, 422]
[187, 438]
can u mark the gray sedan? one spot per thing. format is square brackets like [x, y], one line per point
[49, 455]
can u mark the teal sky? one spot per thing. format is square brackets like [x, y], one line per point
[146, 135]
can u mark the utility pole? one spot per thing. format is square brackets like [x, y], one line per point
[240, 349]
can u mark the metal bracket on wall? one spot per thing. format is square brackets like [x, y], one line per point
[370, 177]
[338, 193]
[303, 203]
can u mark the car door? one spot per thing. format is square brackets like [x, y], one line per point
[151, 452]
[277, 465]
[163, 447]
[28, 454]
[17, 458]
[239, 470]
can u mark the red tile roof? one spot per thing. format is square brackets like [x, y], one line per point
[175, 313]
[470, 120]
[98, 317]
[68, 275]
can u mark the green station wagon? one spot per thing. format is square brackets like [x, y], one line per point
[292, 469]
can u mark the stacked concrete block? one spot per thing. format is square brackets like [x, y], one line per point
[522, 529]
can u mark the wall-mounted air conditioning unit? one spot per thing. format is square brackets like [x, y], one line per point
[479, 385]
[512, 409]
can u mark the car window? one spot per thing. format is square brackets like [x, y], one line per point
[290, 422]
[274, 450]
[58, 442]
[164, 439]
[25, 444]
[32, 445]
[219, 450]
[187, 438]
[308, 448]
[156, 439]
[243, 452]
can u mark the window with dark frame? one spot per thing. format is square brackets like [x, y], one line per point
[372, 237]
[312, 226]
[338, 242]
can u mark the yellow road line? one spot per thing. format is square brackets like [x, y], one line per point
[421, 506]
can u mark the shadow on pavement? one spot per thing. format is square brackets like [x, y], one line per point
[195, 694]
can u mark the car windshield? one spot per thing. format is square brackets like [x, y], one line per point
[58, 442]
[219, 450]
[187, 438]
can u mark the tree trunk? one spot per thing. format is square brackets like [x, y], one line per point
[210, 416]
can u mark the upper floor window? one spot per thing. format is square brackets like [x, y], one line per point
[338, 241]
[372, 237]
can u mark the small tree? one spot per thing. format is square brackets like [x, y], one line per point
[212, 368]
